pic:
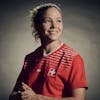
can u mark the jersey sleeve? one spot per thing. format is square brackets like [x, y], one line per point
[22, 76]
[77, 75]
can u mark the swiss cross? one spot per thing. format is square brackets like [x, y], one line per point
[51, 72]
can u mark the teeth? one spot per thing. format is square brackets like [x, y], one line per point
[52, 31]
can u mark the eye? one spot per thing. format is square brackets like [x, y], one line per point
[47, 20]
[59, 20]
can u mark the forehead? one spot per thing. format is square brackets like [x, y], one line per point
[52, 11]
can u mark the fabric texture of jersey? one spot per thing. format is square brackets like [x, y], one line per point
[54, 75]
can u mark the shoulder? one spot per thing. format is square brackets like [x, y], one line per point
[34, 54]
[30, 58]
[73, 57]
[69, 51]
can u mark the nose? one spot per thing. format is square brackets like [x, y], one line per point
[53, 24]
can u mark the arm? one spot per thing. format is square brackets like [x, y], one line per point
[77, 82]
[15, 94]
[29, 94]
[78, 94]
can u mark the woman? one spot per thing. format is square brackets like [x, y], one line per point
[54, 70]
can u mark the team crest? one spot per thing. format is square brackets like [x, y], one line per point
[51, 72]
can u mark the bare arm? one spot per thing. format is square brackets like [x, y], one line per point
[78, 94]
[28, 94]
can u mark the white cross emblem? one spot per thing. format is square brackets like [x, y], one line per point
[51, 72]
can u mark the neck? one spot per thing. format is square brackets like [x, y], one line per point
[51, 46]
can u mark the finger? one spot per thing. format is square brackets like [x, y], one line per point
[24, 93]
[28, 92]
[25, 86]
[24, 97]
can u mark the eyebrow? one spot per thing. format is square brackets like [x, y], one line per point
[51, 18]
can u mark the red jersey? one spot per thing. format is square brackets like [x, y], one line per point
[54, 75]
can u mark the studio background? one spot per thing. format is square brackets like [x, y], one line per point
[81, 32]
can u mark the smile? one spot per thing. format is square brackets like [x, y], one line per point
[52, 32]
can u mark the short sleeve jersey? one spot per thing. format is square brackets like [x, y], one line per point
[54, 75]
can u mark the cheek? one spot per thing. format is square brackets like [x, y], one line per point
[46, 26]
[60, 26]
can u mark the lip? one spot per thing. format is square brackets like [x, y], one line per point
[53, 31]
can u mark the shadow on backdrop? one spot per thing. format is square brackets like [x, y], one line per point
[81, 31]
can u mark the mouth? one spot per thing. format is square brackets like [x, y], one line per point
[52, 32]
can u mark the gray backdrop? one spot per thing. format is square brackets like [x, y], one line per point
[81, 31]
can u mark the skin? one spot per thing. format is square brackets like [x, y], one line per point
[51, 31]
[29, 94]
[52, 25]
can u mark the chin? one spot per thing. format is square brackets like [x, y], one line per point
[52, 40]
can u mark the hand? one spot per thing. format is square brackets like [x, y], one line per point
[28, 93]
